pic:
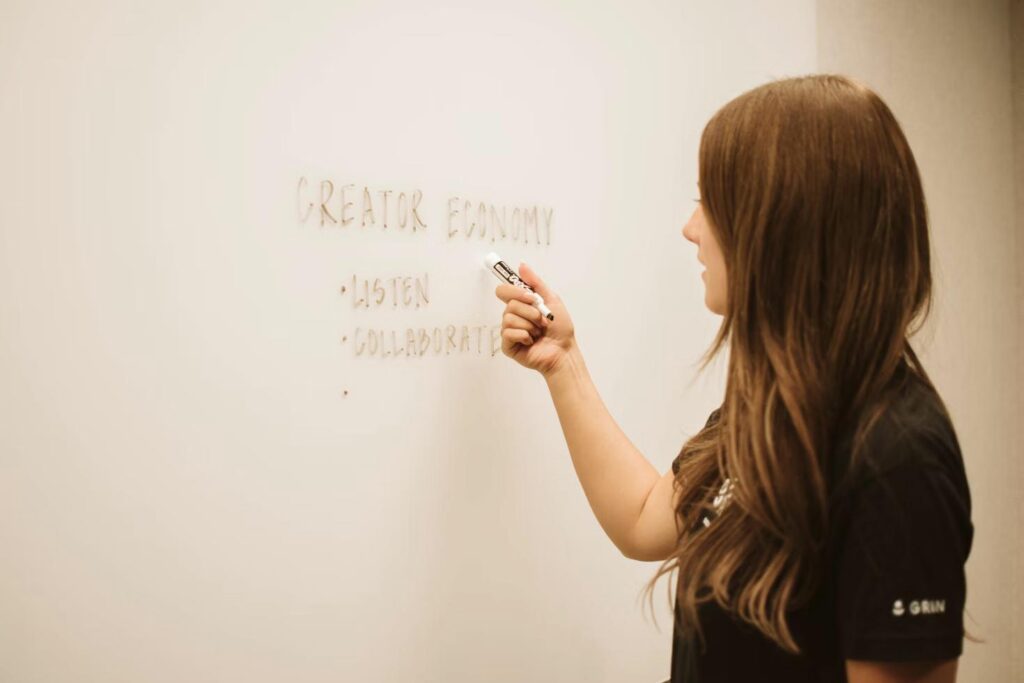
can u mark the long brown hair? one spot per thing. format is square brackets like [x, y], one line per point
[813, 194]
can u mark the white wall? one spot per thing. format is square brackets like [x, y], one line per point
[944, 67]
[187, 493]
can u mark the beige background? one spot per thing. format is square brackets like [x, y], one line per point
[946, 68]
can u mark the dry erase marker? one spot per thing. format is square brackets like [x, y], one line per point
[501, 270]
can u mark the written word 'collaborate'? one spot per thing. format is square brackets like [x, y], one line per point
[480, 340]
[351, 206]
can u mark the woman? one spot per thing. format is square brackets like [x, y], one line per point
[820, 520]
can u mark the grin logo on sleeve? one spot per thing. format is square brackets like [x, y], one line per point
[919, 607]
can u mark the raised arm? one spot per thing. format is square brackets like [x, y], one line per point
[631, 500]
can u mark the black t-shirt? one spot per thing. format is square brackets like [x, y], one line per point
[893, 588]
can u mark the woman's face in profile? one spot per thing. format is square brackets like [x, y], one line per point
[697, 231]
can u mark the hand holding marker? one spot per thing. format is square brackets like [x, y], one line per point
[502, 271]
[529, 334]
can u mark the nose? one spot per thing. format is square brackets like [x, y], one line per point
[690, 231]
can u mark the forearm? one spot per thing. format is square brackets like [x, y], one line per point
[615, 476]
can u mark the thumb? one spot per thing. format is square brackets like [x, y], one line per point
[531, 278]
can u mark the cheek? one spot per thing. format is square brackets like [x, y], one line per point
[717, 266]
[716, 276]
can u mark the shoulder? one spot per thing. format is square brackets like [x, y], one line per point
[904, 493]
[913, 439]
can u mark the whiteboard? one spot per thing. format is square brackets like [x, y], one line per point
[248, 437]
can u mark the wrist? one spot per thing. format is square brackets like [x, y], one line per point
[569, 367]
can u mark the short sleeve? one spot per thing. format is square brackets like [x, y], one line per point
[711, 419]
[900, 587]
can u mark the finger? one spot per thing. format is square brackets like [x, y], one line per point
[509, 293]
[513, 321]
[516, 336]
[528, 311]
[531, 278]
